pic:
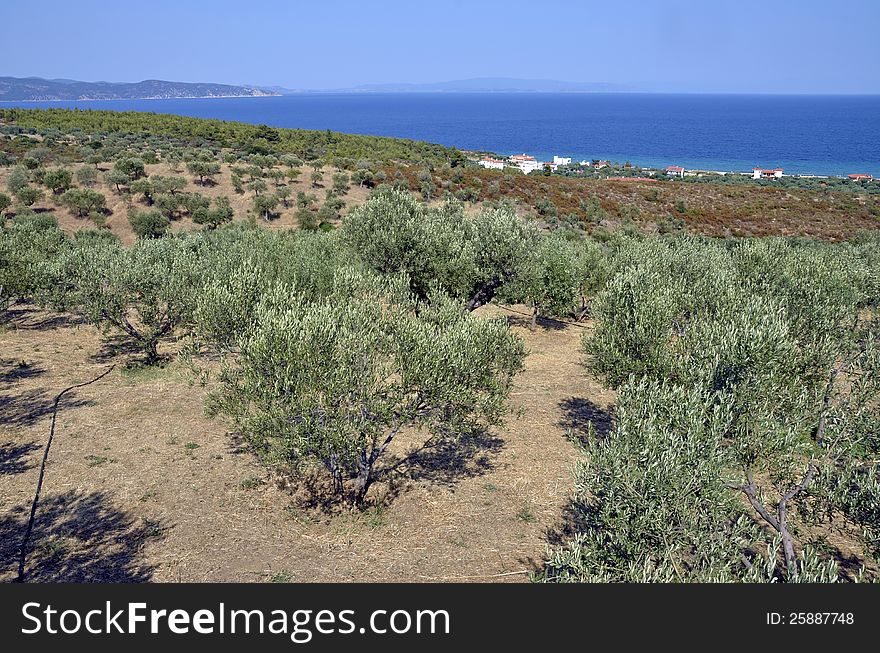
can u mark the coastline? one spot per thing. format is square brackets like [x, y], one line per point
[138, 99]
[793, 132]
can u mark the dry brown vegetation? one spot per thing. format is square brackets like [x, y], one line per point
[709, 209]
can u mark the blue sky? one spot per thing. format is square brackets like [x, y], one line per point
[782, 46]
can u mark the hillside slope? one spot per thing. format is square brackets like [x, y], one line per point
[35, 89]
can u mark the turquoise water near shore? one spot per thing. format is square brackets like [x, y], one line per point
[826, 135]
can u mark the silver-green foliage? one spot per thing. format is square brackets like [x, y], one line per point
[654, 504]
[240, 264]
[782, 338]
[468, 258]
[26, 251]
[558, 276]
[142, 292]
[333, 379]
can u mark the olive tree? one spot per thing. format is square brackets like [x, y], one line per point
[132, 167]
[213, 218]
[549, 282]
[143, 292]
[117, 178]
[26, 250]
[264, 205]
[170, 184]
[83, 201]
[242, 262]
[28, 195]
[57, 180]
[340, 182]
[149, 224]
[17, 179]
[336, 379]
[653, 503]
[87, 176]
[781, 339]
[468, 258]
[204, 170]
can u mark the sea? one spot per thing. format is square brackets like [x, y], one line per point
[819, 135]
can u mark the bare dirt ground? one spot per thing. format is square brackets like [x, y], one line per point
[141, 486]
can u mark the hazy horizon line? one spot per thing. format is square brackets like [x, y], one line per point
[626, 88]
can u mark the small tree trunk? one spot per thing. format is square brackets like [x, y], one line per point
[336, 475]
[151, 351]
[483, 295]
[364, 481]
[534, 318]
[787, 542]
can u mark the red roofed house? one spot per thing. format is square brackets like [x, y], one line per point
[860, 176]
[675, 171]
[525, 162]
[489, 162]
[759, 173]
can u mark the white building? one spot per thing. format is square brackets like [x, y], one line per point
[675, 171]
[561, 160]
[525, 163]
[759, 173]
[489, 162]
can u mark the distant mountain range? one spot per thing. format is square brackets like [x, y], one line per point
[476, 85]
[35, 89]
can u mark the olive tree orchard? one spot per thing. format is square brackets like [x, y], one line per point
[749, 378]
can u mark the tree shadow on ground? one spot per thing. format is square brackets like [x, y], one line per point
[78, 538]
[31, 318]
[545, 323]
[445, 461]
[12, 371]
[578, 413]
[849, 565]
[28, 407]
[14, 457]
[112, 347]
[441, 461]
[578, 516]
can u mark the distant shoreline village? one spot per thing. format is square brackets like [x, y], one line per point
[527, 164]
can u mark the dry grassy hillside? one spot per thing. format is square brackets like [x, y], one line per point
[118, 204]
[708, 209]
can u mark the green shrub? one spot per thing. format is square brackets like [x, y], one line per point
[654, 504]
[83, 201]
[775, 336]
[149, 224]
[469, 259]
[26, 251]
[142, 293]
[335, 380]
